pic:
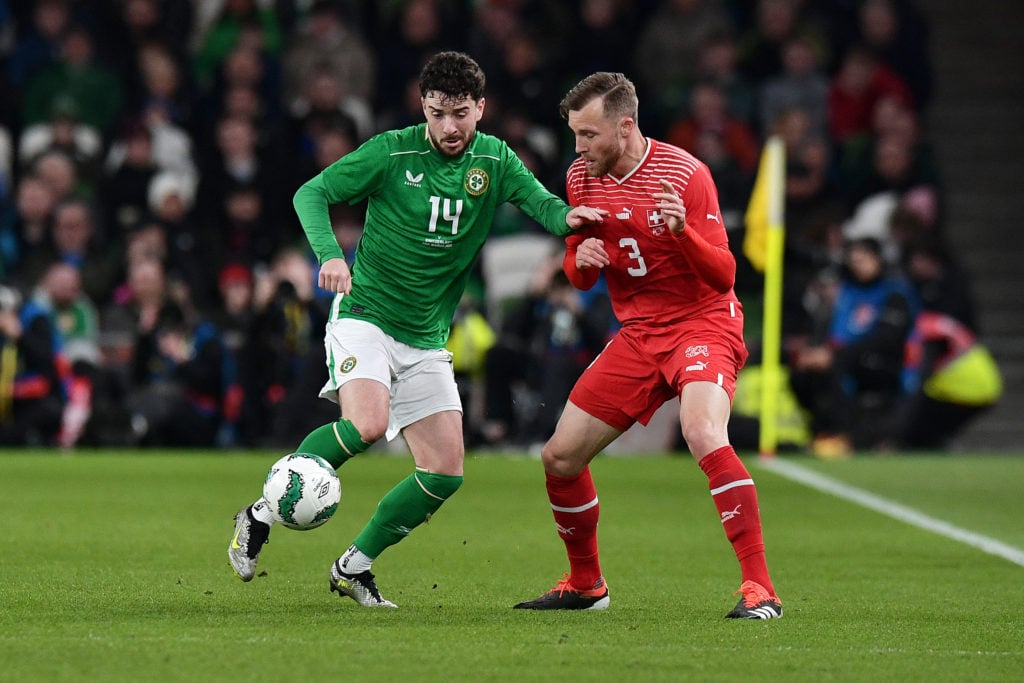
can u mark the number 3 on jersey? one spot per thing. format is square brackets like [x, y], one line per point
[640, 269]
[445, 214]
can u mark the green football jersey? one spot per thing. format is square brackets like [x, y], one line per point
[427, 219]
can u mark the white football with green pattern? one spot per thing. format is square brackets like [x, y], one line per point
[303, 491]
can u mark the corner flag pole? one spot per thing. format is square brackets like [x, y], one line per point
[772, 325]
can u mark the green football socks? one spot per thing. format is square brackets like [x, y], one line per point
[335, 442]
[410, 503]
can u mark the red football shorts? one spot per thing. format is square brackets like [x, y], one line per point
[642, 367]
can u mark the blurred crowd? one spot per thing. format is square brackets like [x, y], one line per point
[158, 291]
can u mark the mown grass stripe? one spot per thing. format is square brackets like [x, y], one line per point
[820, 482]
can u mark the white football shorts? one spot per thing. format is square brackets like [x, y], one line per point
[421, 381]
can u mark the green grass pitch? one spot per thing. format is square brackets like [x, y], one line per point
[113, 567]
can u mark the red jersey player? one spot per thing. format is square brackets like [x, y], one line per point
[664, 253]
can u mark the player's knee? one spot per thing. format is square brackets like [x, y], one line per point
[702, 434]
[560, 462]
[371, 428]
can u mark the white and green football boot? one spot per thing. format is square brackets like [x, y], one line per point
[244, 548]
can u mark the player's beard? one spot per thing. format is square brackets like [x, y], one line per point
[602, 162]
[597, 167]
[603, 159]
[447, 151]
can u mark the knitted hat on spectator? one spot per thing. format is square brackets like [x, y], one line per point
[168, 183]
[10, 299]
[234, 273]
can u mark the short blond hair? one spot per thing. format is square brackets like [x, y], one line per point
[618, 92]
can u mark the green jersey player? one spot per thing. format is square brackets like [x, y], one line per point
[431, 192]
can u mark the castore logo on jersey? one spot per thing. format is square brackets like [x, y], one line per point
[413, 180]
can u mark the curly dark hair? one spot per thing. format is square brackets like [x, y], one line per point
[453, 76]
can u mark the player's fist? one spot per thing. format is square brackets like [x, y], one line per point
[335, 276]
[591, 254]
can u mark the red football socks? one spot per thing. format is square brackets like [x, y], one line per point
[735, 496]
[576, 509]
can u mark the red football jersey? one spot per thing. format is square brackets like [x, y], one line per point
[654, 276]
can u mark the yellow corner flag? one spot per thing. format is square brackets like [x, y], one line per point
[765, 205]
[763, 245]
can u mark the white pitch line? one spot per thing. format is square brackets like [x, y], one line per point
[895, 510]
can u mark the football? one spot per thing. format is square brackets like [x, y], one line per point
[303, 491]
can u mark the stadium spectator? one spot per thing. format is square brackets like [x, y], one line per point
[415, 30]
[813, 200]
[897, 34]
[612, 24]
[27, 227]
[165, 94]
[32, 394]
[546, 341]
[78, 76]
[76, 321]
[132, 311]
[233, 317]
[953, 380]
[494, 22]
[124, 188]
[190, 246]
[39, 44]
[178, 382]
[894, 155]
[221, 26]
[236, 159]
[73, 313]
[248, 66]
[142, 28]
[762, 44]
[872, 218]
[802, 84]
[536, 144]
[330, 146]
[327, 42]
[59, 172]
[283, 362]
[404, 111]
[668, 47]
[63, 132]
[9, 247]
[852, 381]
[75, 239]
[325, 106]
[855, 90]
[941, 284]
[718, 63]
[734, 183]
[524, 76]
[6, 163]
[244, 228]
[709, 113]
[237, 203]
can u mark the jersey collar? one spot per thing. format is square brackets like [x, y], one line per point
[641, 162]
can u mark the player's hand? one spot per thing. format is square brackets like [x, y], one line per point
[671, 206]
[591, 254]
[335, 276]
[584, 215]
